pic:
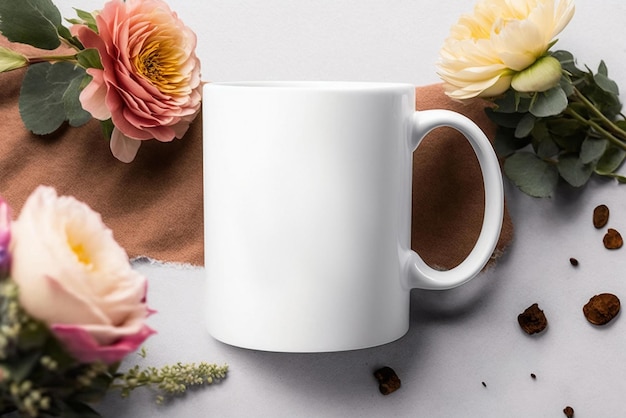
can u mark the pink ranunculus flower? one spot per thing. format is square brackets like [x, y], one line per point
[150, 85]
[73, 276]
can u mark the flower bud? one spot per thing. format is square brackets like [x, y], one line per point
[10, 60]
[542, 75]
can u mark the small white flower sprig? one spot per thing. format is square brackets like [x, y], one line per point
[555, 120]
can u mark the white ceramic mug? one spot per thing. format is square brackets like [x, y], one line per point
[307, 212]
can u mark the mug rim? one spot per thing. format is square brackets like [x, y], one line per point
[310, 85]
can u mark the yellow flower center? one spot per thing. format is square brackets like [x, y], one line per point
[81, 254]
[159, 63]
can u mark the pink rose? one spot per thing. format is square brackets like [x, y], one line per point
[73, 276]
[150, 85]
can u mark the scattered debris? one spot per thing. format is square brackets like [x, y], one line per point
[602, 308]
[612, 239]
[532, 320]
[388, 380]
[600, 216]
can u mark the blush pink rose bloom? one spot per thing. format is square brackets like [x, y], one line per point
[150, 85]
[73, 276]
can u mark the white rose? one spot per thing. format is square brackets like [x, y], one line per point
[501, 38]
[73, 276]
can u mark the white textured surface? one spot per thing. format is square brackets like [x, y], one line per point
[457, 338]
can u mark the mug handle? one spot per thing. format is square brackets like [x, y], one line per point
[422, 276]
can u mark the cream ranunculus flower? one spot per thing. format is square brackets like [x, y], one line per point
[73, 276]
[501, 38]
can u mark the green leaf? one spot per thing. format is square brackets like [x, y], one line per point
[567, 86]
[107, 128]
[86, 18]
[547, 148]
[21, 366]
[74, 111]
[549, 103]
[602, 69]
[606, 84]
[89, 58]
[32, 337]
[525, 126]
[42, 104]
[573, 170]
[11, 60]
[542, 140]
[532, 175]
[568, 62]
[592, 149]
[32, 22]
[505, 143]
[507, 120]
[76, 409]
[611, 160]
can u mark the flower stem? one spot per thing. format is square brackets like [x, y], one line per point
[52, 58]
[606, 121]
[608, 135]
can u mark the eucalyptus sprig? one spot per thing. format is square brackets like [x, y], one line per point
[571, 131]
[53, 81]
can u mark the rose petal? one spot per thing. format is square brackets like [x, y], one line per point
[86, 349]
[124, 148]
[93, 96]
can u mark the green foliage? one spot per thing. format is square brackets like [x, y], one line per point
[572, 131]
[38, 377]
[50, 91]
[49, 96]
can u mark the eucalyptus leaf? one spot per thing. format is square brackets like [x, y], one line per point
[592, 149]
[531, 174]
[507, 120]
[74, 111]
[525, 125]
[573, 170]
[41, 103]
[547, 148]
[611, 160]
[606, 84]
[507, 103]
[602, 69]
[549, 103]
[18, 18]
[505, 143]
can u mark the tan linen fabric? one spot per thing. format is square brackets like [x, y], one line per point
[448, 198]
[154, 204]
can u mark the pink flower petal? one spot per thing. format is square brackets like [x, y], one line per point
[92, 98]
[124, 148]
[82, 346]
